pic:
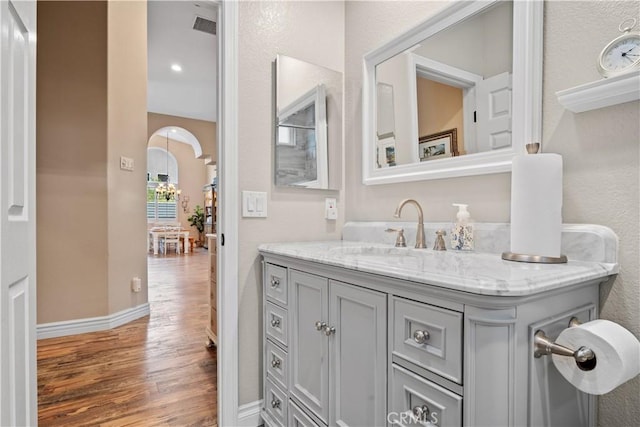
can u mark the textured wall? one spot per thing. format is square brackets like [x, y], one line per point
[600, 151]
[601, 163]
[313, 32]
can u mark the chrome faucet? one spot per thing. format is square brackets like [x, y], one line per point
[420, 231]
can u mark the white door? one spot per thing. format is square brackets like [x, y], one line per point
[494, 112]
[18, 388]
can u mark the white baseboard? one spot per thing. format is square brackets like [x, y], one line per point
[249, 414]
[92, 324]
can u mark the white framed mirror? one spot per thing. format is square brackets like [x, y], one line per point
[459, 94]
[308, 124]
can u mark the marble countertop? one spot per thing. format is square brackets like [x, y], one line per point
[474, 272]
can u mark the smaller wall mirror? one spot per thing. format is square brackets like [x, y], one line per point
[308, 125]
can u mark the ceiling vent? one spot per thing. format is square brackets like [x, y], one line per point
[204, 25]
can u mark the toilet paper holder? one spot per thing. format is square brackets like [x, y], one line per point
[544, 346]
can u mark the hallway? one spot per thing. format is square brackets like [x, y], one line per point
[150, 372]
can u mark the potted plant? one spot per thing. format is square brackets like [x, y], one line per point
[197, 220]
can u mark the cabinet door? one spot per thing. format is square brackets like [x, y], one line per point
[357, 356]
[309, 348]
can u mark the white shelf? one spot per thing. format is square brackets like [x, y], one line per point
[601, 93]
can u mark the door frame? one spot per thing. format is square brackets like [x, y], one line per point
[227, 241]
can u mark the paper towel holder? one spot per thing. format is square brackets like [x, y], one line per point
[584, 356]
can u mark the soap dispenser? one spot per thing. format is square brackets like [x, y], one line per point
[462, 232]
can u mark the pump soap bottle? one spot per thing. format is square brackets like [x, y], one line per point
[462, 233]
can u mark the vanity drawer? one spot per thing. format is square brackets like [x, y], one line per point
[411, 393]
[275, 319]
[275, 404]
[428, 336]
[276, 284]
[277, 364]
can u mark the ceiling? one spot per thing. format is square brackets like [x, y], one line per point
[192, 92]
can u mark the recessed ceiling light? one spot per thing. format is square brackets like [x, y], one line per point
[176, 67]
[174, 130]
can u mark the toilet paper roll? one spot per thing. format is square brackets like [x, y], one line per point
[617, 356]
[536, 204]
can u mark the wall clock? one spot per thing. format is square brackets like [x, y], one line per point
[622, 54]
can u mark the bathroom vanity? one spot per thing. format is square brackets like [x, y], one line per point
[358, 332]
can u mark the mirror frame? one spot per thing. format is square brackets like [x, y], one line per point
[526, 96]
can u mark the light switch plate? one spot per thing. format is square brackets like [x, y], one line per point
[254, 204]
[126, 163]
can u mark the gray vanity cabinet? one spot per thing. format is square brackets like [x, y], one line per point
[351, 348]
[337, 353]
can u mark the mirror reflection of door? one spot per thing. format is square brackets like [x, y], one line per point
[459, 78]
[308, 125]
[296, 146]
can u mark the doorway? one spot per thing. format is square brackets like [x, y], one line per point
[230, 249]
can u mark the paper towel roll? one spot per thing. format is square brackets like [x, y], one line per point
[617, 356]
[536, 204]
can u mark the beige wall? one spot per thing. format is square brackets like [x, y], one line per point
[127, 136]
[600, 151]
[71, 151]
[203, 130]
[192, 176]
[91, 109]
[442, 115]
[313, 32]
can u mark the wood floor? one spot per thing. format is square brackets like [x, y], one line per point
[151, 372]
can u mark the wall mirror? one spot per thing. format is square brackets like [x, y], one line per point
[308, 124]
[457, 95]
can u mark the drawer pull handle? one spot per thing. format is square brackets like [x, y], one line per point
[320, 325]
[275, 282]
[275, 322]
[276, 362]
[328, 330]
[421, 337]
[421, 413]
[275, 403]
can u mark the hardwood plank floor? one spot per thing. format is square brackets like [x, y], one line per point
[151, 372]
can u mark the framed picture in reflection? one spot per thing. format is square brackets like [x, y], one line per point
[438, 145]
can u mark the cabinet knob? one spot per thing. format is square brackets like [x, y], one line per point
[275, 403]
[320, 325]
[421, 337]
[421, 413]
[275, 322]
[328, 330]
[275, 282]
[276, 362]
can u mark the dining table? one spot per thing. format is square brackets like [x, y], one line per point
[156, 233]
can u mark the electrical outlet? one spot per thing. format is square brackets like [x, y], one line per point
[331, 209]
[136, 284]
